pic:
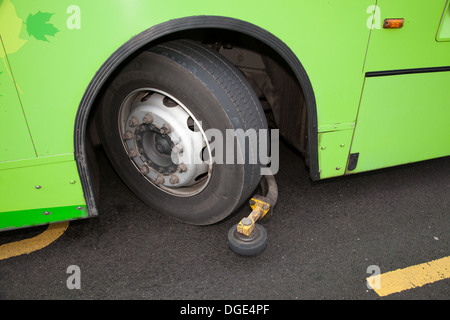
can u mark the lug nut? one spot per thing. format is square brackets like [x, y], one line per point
[174, 179]
[159, 179]
[182, 167]
[133, 122]
[144, 169]
[165, 129]
[148, 118]
[133, 153]
[128, 135]
[178, 148]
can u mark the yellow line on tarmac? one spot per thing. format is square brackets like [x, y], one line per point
[26, 246]
[411, 277]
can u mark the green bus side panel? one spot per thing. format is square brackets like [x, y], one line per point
[15, 140]
[412, 46]
[334, 147]
[35, 217]
[443, 33]
[402, 119]
[31, 188]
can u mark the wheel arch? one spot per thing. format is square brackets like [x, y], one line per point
[165, 29]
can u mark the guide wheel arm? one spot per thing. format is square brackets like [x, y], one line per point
[260, 205]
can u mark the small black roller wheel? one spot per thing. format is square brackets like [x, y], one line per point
[248, 245]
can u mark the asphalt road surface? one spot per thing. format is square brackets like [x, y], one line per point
[323, 238]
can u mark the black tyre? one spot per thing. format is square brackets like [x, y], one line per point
[156, 114]
[248, 245]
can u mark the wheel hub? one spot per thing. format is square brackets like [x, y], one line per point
[165, 142]
[155, 149]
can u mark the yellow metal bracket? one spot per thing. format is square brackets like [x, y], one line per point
[260, 206]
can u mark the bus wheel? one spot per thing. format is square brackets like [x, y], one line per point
[156, 121]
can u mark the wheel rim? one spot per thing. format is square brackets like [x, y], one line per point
[165, 142]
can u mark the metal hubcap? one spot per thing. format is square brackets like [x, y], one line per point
[165, 142]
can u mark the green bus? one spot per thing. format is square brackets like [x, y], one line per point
[354, 85]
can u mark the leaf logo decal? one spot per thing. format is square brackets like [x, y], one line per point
[39, 27]
[10, 28]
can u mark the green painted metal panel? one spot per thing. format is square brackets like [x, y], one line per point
[402, 119]
[414, 45]
[40, 183]
[15, 140]
[333, 152]
[35, 217]
[443, 33]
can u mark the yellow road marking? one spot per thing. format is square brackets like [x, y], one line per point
[411, 277]
[26, 246]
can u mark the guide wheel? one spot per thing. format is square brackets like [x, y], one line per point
[253, 244]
